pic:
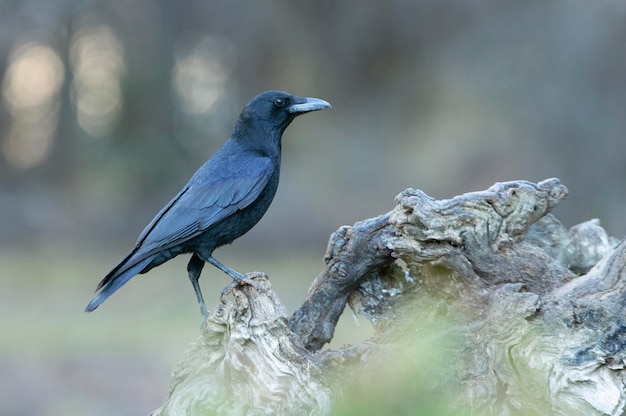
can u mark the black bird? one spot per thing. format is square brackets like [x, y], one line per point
[222, 201]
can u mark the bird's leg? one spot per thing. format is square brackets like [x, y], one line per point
[236, 276]
[194, 268]
[233, 274]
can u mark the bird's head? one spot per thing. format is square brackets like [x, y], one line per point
[273, 111]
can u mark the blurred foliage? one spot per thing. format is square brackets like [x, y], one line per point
[409, 380]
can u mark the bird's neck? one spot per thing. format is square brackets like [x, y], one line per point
[260, 138]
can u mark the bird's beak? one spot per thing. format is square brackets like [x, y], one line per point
[305, 104]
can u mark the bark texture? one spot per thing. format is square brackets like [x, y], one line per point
[482, 304]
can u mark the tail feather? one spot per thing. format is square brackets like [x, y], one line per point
[119, 269]
[114, 281]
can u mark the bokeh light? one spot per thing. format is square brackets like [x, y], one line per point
[200, 73]
[30, 91]
[97, 62]
[202, 89]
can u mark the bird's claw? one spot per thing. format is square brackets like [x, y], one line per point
[236, 282]
[204, 311]
[205, 316]
[227, 289]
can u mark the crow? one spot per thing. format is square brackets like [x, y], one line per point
[222, 201]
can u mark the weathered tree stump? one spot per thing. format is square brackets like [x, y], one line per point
[482, 304]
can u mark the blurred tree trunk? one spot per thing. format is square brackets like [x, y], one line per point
[482, 304]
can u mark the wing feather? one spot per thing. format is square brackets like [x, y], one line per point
[212, 194]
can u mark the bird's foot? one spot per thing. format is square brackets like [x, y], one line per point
[228, 288]
[204, 310]
[239, 280]
[205, 316]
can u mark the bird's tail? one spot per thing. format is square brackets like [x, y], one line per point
[114, 280]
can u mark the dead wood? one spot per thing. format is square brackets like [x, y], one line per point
[482, 304]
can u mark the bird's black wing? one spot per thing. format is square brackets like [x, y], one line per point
[220, 188]
[215, 192]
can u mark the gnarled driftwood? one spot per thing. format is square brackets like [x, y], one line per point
[482, 304]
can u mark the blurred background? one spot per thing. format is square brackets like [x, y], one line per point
[108, 107]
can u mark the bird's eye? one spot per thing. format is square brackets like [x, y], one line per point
[279, 102]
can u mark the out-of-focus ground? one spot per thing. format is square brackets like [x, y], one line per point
[107, 108]
[57, 360]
